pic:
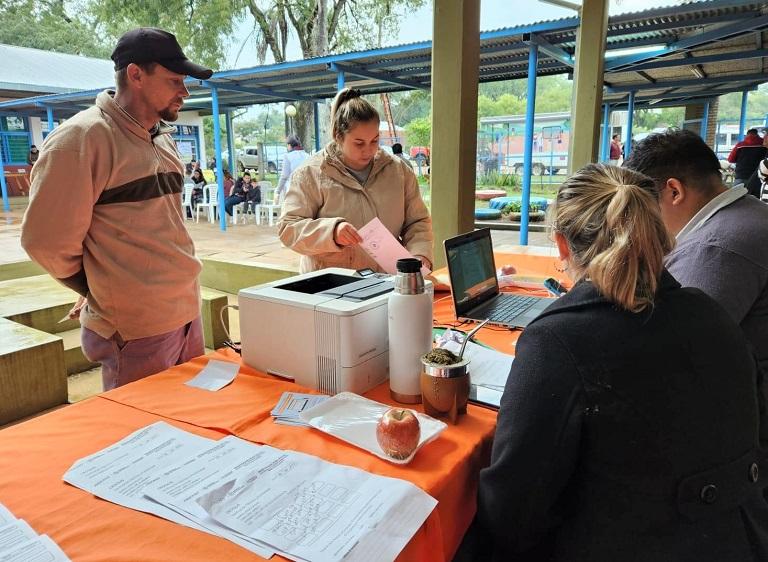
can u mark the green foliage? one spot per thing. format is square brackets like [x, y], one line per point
[495, 179]
[553, 94]
[50, 26]
[757, 104]
[201, 26]
[649, 119]
[517, 207]
[419, 131]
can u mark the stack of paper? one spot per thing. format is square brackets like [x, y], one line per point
[291, 404]
[19, 543]
[261, 498]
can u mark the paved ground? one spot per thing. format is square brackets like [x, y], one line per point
[243, 242]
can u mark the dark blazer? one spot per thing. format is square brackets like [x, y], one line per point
[627, 437]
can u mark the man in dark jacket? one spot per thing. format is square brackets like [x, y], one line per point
[722, 235]
[747, 155]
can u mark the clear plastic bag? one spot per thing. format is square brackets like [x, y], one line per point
[353, 418]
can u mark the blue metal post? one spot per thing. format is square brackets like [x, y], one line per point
[605, 145]
[630, 122]
[49, 112]
[3, 186]
[217, 150]
[530, 115]
[230, 142]
[705, 122]
[743, 114]
[316, 112]
[339, 80]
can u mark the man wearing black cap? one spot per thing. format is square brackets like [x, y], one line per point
[114, 232]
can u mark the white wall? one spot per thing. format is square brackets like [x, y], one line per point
[194, 119]
[36, 128]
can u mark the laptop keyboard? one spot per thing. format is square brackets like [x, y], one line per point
[505, 308]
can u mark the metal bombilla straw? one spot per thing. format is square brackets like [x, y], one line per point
[469, 336]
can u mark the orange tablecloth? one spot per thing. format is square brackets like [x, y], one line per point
[34, 455]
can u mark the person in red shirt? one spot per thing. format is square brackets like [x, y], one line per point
[616, 150]
[747, 155]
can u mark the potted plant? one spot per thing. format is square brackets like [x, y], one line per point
[513, 211]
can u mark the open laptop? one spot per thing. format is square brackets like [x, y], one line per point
[475, 289]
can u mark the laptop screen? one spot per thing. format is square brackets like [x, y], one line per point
[471, 269]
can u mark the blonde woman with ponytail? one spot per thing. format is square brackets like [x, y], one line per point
[345, 186]
[628, 428]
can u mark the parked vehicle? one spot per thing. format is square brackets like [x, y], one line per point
[249, 159]
[420, 154]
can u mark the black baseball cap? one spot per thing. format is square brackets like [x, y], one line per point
[149, 44]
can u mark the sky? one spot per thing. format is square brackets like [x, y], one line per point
[494, 14]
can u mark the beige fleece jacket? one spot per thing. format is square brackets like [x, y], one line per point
[323, 194]
[104, 218]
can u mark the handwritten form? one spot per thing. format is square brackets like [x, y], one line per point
[320, 511]
[261, 498]
[383, 247]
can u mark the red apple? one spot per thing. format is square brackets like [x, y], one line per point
[398, 433]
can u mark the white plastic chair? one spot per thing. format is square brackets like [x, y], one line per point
[212, 192]
[186, 200]
[268, 208]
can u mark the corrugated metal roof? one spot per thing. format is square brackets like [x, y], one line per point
[46, 71]
[504, 56]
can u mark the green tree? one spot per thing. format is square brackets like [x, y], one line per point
[51, 26]
[323, 27]
[419, 131]
[201, 26]
[757, 104]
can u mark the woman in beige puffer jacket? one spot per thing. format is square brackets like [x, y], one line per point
[345, 186]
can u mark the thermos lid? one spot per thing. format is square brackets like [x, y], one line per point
[409, 265]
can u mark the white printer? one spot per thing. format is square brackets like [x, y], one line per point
[326, 329]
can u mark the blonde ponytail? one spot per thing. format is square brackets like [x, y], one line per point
[611, 220]
[348, 109]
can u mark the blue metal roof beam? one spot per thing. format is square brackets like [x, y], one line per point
[549, 49]
[381, 76]
[706, 59]
[721, 33]
[691, 82]
[264, 92]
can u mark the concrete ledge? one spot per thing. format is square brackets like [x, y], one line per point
[509, 225]
[32, 373]
[212, 303]
[230, 276]
[38, 302]
[19, 269]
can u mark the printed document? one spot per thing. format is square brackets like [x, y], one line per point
[384, 248]
[121, 473]
[179, 485]
[40, 548]
[320, 511]
[15, 533]
[487, 367]
[5, 515]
